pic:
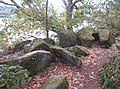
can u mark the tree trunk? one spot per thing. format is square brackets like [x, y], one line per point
[47, 28]
[69, 10]
[69, 16]
[69, 4]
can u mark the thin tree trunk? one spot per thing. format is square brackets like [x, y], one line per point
[69, 16]
[47, 28]
[69, 10]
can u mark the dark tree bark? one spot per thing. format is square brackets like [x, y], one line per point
[47, 28]
[69, 10]
[13, 1]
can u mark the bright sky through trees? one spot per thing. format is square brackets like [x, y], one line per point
[56, 3]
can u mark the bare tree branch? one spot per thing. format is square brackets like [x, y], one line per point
[37, 10]
[64, 2]
[6, 3]
[76, 7]
[76, 1]
[32, 36]
[14, 3]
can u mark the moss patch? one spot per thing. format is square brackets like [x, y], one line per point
[67, 55]
[106, 38]
[84, 37]
[67, 38]
[56, 82]
[34, 62]
[37, 44]
[78, 51]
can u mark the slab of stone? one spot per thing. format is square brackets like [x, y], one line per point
[56, 82]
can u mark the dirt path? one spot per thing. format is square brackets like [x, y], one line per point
[79, 78]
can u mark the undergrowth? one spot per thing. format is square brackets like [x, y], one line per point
[109, 75]
[10, 76]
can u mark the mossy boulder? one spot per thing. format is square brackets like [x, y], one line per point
[34, 61]
[49, 41]
[37, 44]
[19, 46]
[78, 51]
[118, 46]
[29, 46]
[116, 32]
[106, 38]
[84, 37]
[56, 82]
[87, 36]
[68, 56]
[67, 38]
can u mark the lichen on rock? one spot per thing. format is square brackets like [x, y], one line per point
[84, 37]
[67, 38]
[78, 51]
[34, 61]
[66, 55]
[56, 82]
[106, 38]
[37, 44]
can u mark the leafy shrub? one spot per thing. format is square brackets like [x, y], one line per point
[10, 76]
[110, 74]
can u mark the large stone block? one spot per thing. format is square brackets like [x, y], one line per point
[78, 51]
[85, 38]
[68, 56]
[67, 38]
[56, 82]
[34, 61]
[106, 38]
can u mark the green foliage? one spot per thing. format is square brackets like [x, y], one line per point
[10, 76]
[110, 74]
[28, 17]
[107, 14]
[57, 20]
[115, 13]
[83, 13]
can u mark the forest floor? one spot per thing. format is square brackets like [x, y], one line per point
[78, 78]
